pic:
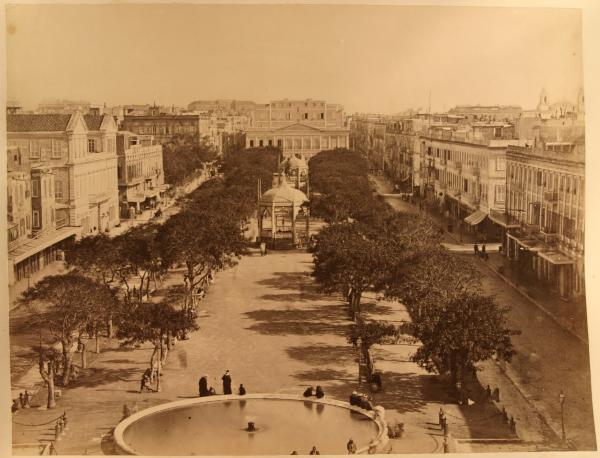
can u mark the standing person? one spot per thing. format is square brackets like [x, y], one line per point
[226, 382]
[476, 249]
[203, 386]
[483, 252]
[351, 446]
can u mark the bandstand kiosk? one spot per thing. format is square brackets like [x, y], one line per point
[296, 171]
[284, 217]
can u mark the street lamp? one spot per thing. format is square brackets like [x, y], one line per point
[562, 398]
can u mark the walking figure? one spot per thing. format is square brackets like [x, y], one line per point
[351, 446]
[484, 254]
[226, 383]
[27, 398]
[476, 249]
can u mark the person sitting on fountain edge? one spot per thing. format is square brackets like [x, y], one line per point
[354, 399]
[242, 390]
[308, 392]
[319, 392]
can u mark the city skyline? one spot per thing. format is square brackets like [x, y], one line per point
[119, 61]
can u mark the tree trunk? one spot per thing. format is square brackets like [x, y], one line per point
[152, 363]
[97, 341]
[83, 355]
[158, 368]
[48, 377]
[109, 327]
[67, 360]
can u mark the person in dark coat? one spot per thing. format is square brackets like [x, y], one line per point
[226, 383]
[203, 386]
[308, 392]
[242, 390]
[319, 393]
[354, 399]
[314, 451]
[476, 249]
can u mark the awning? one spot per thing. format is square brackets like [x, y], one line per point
[556, 257]
[475, 218]
[36, 245]
[529, 243]
[503, 220]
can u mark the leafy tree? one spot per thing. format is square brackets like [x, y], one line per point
[350, 258]
[155, 322]
[471, 328]
[99, 257]
[65, 305]
[205, 240]
[364, 334]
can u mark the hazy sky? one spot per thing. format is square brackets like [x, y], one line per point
[368, 58]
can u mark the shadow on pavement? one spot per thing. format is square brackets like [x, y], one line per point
[324, 355]
[96, 376]
[326, 319]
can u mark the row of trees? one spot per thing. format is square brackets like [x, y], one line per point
[114, 284]
[183, 156]
[369, 246]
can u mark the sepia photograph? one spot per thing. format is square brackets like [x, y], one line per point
[297, 229]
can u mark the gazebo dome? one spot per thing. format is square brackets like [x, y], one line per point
[283, 194]
[297, 162]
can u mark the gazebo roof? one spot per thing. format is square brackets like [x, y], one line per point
[283, 194]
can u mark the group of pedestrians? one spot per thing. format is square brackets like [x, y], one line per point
[483, 253]
[350, 446]
[23, 402]
[310, 391]
[361, 400]
[205, 390]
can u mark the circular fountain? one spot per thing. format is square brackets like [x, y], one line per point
[256, 424]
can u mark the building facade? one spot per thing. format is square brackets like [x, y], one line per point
[72, 174]
[140, 173]
[545, 196]
[163, 126]
[298, 127]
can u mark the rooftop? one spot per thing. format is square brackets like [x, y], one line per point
[37, 122]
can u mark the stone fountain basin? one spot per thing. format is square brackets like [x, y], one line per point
[216, 425]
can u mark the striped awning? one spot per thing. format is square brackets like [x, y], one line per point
[475, 218]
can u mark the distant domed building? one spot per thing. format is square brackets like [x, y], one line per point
[283, 216]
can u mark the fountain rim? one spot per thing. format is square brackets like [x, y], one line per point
[376, 416]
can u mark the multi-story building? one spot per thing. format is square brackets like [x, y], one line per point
[465, 173]
[162, 126]
[69, 107]
[298, 127]
[71, 164]
[140, 173]
[487, 112]
[545, 197]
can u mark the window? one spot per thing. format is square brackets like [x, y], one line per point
[91, 145]
[260, 143]
[35, 188]
[305, 115]
[56, 148]
[251, 143]
[500, 193]
[539, 178]
[270, 142]
[36, 219]
[322, 115]
[59, 188]
[279, 143]
[34, 150]
[500, 163]
[28, 222]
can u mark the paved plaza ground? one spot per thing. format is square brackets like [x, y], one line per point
[265, 321]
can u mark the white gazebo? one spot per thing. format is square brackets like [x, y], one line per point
[283, 216]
